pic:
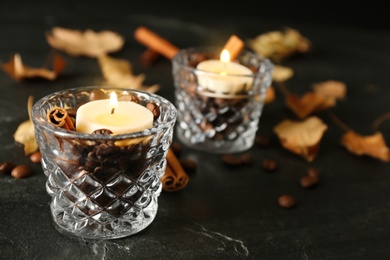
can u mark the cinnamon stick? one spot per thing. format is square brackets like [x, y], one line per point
[159, 45]
[59, 117]
[234, 45]
[155, 42]
[174, 178]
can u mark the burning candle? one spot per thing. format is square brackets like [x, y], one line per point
[120, 117]
[223, 76]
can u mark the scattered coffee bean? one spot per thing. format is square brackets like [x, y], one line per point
[308, 181]
[286, 201]
[188, 165]
[6, 167]
[269, 165]
[154, 109]
[231, 159]
[36, 157]
[97, 94]
[313, 172]
[21, 171]
[262, 141]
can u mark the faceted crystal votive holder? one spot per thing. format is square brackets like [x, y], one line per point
[103, 186]
[218, 111]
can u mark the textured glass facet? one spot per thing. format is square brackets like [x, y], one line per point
[103, 186]
[218, 122]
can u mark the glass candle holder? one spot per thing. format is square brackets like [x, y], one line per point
[219, 110]
[103, 186]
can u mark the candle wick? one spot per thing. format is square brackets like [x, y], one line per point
[112, 110]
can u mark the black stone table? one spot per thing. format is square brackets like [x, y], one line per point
[224, 212]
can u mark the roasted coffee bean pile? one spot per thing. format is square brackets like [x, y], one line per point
[309, 180]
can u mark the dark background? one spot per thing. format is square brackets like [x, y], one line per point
[223, 213]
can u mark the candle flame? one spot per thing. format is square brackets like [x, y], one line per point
[113, 102]
[225, 56]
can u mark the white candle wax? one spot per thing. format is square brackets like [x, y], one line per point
[127, 117]
[223, 76]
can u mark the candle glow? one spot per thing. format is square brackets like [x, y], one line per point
[225, 56]
[113, 102]
[223, 76]
[118, 116]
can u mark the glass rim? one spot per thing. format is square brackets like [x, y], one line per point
[156, 128]
[268, 65]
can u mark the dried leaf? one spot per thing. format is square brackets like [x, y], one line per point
[270, 95]
[118, 73]
[310, 102]
[301, 137]
[331, 89]
[282, 73]
[84, 43]
[25, 133]
[371, 145]
[18, 71]
[278, 45]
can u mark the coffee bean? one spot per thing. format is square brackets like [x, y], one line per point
[130, 97]
[104, 150]
[188, 165]
[36, 157]
[97, 94]
[313, 172]
[6, 167]
[231, 159]
[71, 112]
[286, 201]
[21, 171]
[269, 165]
[308, 181]
[262, 141]
[102, 131]
[154, 109]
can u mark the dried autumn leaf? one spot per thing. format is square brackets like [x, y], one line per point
[301, 137]
[331, 88]
[270, 95]
[278, 45]
[25, 133]
[18, 71]
[118, 73]
[310, 102]
[84, 43]
[282, 73]
[371, 145]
